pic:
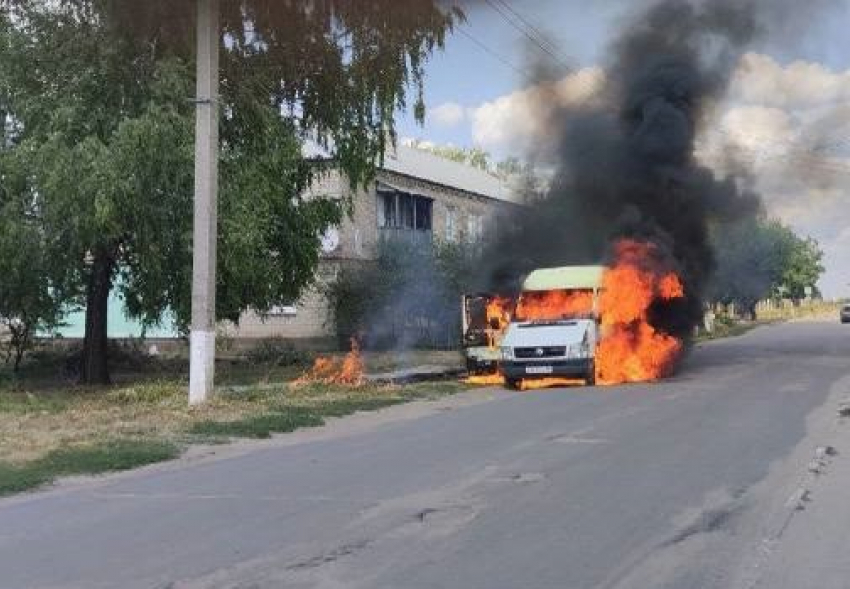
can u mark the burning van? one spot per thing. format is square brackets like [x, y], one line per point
[555, 325]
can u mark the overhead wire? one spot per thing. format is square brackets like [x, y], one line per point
[492, 52]
[537, 32]
[518, 22]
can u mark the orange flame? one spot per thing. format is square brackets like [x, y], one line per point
[554, 304]
[493, 378]
[329, 370]
[498, 315]
[632, 350]
[530, 384]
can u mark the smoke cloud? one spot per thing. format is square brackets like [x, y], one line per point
[624, 163]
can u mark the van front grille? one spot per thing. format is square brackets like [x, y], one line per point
[541, 352]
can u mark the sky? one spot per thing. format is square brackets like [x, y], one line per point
[787, 109]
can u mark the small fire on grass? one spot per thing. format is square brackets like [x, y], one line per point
[328, 370]
[631, 349]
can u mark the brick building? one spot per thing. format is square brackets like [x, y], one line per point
[416, 196]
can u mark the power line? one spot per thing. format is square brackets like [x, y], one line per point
[538, 33]
[492, 52]
[536, 37]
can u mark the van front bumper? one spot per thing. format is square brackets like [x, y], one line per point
[572, 368]
[481, 359]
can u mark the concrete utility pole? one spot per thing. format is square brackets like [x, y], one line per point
[202, 338]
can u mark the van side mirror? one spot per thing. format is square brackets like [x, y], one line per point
[495, 323]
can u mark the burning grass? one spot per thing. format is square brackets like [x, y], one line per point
[329, 370]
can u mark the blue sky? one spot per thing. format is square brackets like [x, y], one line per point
[791, 90]
[469, 74]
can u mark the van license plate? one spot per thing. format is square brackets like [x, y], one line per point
[538, 370]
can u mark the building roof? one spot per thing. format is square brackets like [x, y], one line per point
[564, 278]
[426, 166]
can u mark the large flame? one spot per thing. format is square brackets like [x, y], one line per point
[498, 315]
[551, 305]
[328, 370]
[631, 349]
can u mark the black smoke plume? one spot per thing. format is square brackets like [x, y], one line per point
[625, 162]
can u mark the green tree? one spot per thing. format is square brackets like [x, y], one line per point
[802, 267]
[470, 156]
[28, 299]
[757, 259]
[749, 255]
[97, 94]
[511, 166]
[407, 297]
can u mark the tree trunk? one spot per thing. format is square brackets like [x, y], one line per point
[94, 368]
[21, 343]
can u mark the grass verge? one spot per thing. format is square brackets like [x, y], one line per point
[46, 434]
[724, 328]
[286, 419]
[98, 458]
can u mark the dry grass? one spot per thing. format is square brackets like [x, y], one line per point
[389, 361]
[32, 424]
[50, 427]
[731, 326]
[807, 310]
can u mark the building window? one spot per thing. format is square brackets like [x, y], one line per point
[451, 224]
[402, 210]
[474, 228]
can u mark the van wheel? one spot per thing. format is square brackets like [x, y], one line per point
[512, 383]
[590, 377]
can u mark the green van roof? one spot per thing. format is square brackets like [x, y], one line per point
[565, 277]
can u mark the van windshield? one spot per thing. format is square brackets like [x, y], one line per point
[554, 305]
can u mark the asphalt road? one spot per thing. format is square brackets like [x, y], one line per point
[634, 486]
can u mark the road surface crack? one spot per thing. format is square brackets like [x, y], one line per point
[330, 557]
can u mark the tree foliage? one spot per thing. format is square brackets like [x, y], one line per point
[27, 301]
[525, 177]
[408, 297]
[97, 94]
[759, 259]
[470, 156]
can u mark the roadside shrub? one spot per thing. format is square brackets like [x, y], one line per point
[409, 297]
[279, 352]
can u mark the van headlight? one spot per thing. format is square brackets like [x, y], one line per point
[507, 353]
[578, 351]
